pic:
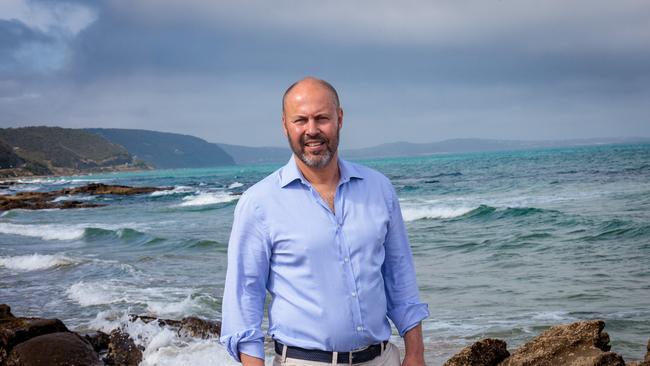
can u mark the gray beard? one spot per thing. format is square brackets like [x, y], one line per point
[319, 161]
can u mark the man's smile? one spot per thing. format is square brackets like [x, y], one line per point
[315, 146]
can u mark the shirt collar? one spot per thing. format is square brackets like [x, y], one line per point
[290, 172]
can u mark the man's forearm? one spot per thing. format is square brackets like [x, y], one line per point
[414, 346]
[247, 360]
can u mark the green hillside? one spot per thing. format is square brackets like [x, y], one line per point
[9, 159]
[167, 150]
[55, 150]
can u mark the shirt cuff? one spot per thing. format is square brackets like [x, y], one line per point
[250, 342]
[407, 316]
[252, 348]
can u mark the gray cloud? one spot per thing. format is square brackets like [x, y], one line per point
[420, 71]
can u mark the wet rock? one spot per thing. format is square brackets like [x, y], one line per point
[33, 201]
[199, 328]
[100, 188]
[190, 326]
[578, 344]
[45, 200]
[98, 340]
[161, 322]
[122, 350]
[54, 349]
[14, 331]
[486, 352]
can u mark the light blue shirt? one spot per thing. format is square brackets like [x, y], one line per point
[335, 278]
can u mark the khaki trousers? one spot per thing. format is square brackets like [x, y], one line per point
[389, 357]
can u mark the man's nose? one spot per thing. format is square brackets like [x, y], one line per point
[312, 127]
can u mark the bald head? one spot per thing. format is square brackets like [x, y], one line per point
[311, 80]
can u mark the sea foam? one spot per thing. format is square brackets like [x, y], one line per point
[36, 262]
[165, 308]
[433, 212]
[169, 192]
[235, 185]
[162, 345]
[73, 198]
[43, 231]
[96, 293]
[208, 198]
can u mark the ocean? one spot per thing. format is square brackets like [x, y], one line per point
[505, 244]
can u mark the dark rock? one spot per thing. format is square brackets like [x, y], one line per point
[100, 188]
[577, 344]
[99, 340]
[45, 200]
[190, 326]
[486, 352]
[5, 311]
[161, 322]
[199, 328]
[54, 349]
[14, 331]
[39, 201]
[607, 359]
[122, 350]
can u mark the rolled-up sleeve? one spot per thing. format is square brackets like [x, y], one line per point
[403, 301]
[246, 277]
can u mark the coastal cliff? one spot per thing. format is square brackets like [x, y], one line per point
[30, 151]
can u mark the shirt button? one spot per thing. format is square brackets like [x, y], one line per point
[359, 329]
[354, 294]
[346, 259]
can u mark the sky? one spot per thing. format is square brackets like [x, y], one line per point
[418, 71]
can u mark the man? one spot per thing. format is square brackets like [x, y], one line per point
[326, 238]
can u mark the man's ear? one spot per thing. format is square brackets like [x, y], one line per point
[340, 117]
[284, 126]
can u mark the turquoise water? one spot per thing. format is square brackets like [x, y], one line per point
[505, 244]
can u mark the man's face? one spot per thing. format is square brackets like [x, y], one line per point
[312, 121]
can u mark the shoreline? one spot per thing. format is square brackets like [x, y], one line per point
[78, 173]
[582, 343]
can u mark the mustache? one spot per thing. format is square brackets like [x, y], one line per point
[314, 138]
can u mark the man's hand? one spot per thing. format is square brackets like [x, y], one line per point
[414, 347]
[247, 360]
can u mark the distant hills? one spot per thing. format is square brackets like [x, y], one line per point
[166, 150]
[404, 149]
[55, 150]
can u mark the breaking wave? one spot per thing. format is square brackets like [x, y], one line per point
[208, 198]
[43, 231]
[175, 190]
[36, 262]
[480, 212]
[164, 346]
[433, 212]
[69, 232]
[235, 185]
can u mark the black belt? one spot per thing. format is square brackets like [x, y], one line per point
[363, 355]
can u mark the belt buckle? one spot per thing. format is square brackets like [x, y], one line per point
[356, 352]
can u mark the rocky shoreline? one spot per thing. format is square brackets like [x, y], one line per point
[48, 200]
[27, 341]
